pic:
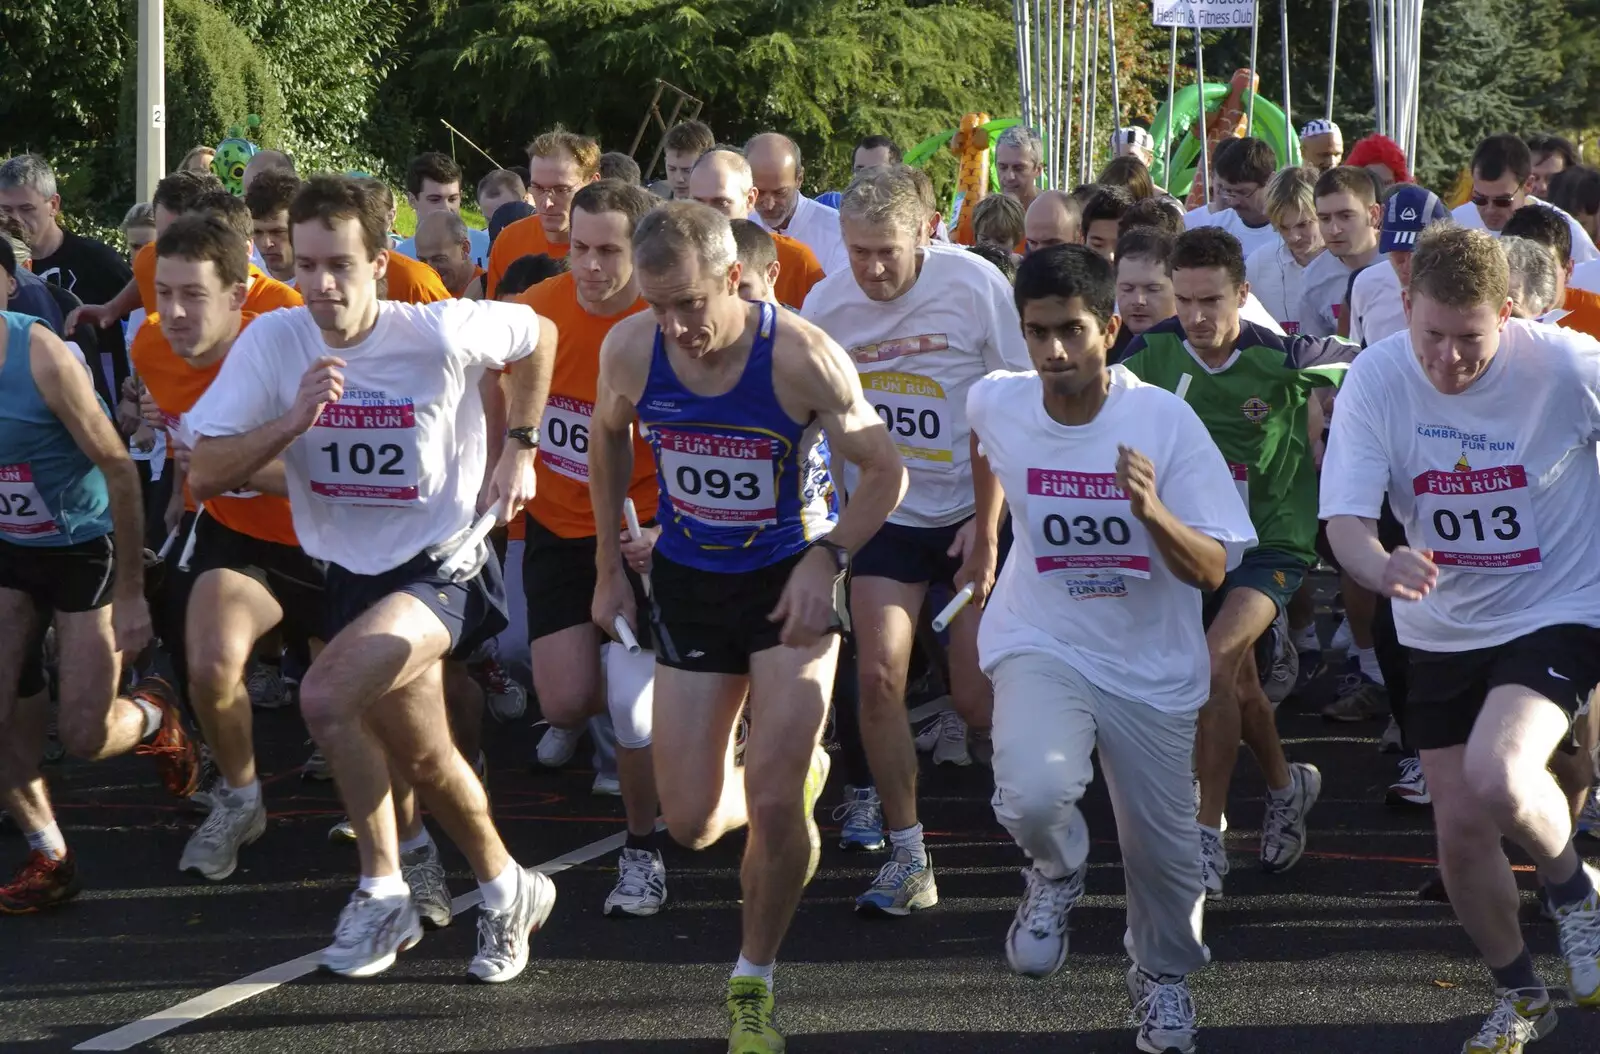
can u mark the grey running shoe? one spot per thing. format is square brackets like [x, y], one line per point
[503, 935]
[1163, 1010]
[1036, 944]
[1283, 833]
[213, 849]
[1213, 864]
[371, 932]
[265, 685]
[424, 873]
[641, 886]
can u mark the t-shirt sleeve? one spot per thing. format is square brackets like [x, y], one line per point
[1005, 349]
[1322, 361]
[1355, 469]
[1197, 486]
[487, 332]
[245, 394]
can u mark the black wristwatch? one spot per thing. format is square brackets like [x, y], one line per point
[838, 553]
[528, 437]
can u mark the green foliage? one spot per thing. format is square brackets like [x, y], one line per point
[216, 77]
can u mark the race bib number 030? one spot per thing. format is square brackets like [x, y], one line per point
[364, 451]
[1479, 521]
[22, 510]
[1081, 521]
[721, 480]
[564, 437]
[915, 412]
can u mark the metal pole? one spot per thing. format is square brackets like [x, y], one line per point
[1377, 65]
[1063, 102]
[1255, 33]
[1414, 55]
[1200, 84]
[1283, 31]
[1022, 59]
[1394, 73]
[1084, 146]
[1092, 143]
[1333, 58]
[1038, 66]
[1052, 115]
[1172, 128]
[1070, 102]
[1116, 95]
[151, 99]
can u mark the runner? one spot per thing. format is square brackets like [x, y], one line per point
[1551, 155]
[1242, 169]
[998, 220]
[444, 242]
[1250, 388]
[500, 187]
[433, 184]
[1349, 217]
[1533, 283]
[1101, 214]
[746, 578]
[683, 145]
[1019, 161]
[777, 171]
[1321, 145]
[1570, 308]
[874, 151]
[384, 456]
[1144, 286]
[922, 326]
[1377, 308]
[1124, 676]
[1502, 167]
[268, 200]
[722, 179]
[577, 674]
[1277, 270]
[405, 279]
[1053, 218]
[1502, 621]
[559, 164]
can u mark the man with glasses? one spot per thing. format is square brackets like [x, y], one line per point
[1241, 169]
[560, 163]
[1502, 172]
[781, 207]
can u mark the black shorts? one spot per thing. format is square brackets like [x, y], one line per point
[1270, 571]
[558, 579]
[68, 578]
[472, 611]
[918, 555]
[294, 579]
[1446, 690]
[712, 623]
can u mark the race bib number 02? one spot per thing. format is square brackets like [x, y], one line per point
[915, 412]
[564, 437]
[1081, 521]
[720, 480]
[23, 513]
[1479, 521]
[364, 451]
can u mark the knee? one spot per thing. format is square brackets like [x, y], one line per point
[213, 672]
[883, 688]
[567, 706]
[429, 768]
[689, 824]
[1493, 784]
[1035, 798]
[320, 708]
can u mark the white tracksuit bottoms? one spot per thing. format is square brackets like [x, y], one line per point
[1047, 720]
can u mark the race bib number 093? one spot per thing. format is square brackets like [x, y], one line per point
[1080, 522]
[364, 452]
[1479, 521]
[721, 480]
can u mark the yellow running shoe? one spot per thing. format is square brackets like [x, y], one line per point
[750, 1010]
[1522, 1016]
[816, 779]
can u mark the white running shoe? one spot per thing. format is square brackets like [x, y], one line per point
[372, 931]
[316, 767]
[1579, 926]
[952, 746]
[503, 936]
[213, 849]
[430, 892]
[1163, 1011]
[1283, 833]
[1589, 818]
[1036, 944]
[641, 886]
[506, 698]
[606, 785]
[1411, 788]
[1213, 863]
[558, 745]
[928, 737]
[1391, 742]
[1280, 679]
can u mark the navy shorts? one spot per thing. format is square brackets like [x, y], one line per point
[473, 611]
[917, 555]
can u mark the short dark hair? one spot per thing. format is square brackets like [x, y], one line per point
[503, 179]
[1500, 154]
[178, 191]
[431, 166]
[1545, 144]
[326, 198]
[1112, 203]
[1163, 214]
[613, 195]
[202, 237]
[271, 192]
[1002, 259]
[227, 208]
[614, 164]
[1576, 189]
[1129, 173]
[525, 272]
[1068, 271]
[1082, 193]
[1542, 224]
[1247, 160]
[8, 258]
[1209, 247]
[688, 137]
[756, 247]
[880, 142]
[1348, 179]
[1146, 243]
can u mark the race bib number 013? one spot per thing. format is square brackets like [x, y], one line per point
[1479, 521]
[915, 412]
[22, 510]
[722, 480]
[364, 451]
[1081, 521]
[564, 437]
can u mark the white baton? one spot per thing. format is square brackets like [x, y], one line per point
[635, 532]
[625, 634]
[941, 621]
[457, 561]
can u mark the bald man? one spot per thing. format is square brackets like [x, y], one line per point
[777, 169]
[443, 243]
[722, 180]
[266, 161]
[1054, 218]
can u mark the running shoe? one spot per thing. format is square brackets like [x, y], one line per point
[213, 849]
[1521, 1016]
[371, 932]
[1589, 819]
[1283, 833]
[343, 832]
[750, 1014]
[557, 746]
[316, 766]
[1163, 1010]
[265, 686]
[430, 891]
[1360, 698]
[1280, 678]
[177, 753]
[1036, 944]
[41, 882]
[952, 746]
[1213, 863]
[903, 885]
[205, 797]
[860, 818]
[1312, 667]
[1579, 926]
[641, 886]
[503, 936]
[507, 700]
[816, 779]
[1342, 640]
[1411, 788]
[1392, 741]
[928, 735]
[606, 785]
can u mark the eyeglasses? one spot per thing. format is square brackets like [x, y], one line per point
[1502, 201]
[561, 190]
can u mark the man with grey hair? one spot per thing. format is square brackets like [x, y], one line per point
[1534, 284]
[747, 580]
[1019, 157]
[444, 244]
[777, 170]
[922, 326]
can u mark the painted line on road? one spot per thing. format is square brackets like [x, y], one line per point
[208, 1003]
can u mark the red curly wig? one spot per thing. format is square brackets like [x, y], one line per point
[1380, 150]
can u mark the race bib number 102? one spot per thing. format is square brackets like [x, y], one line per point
[1082, 521]
[363, 451]
[723, 480]
[1479, 521]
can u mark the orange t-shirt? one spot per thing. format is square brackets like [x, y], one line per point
[413, 282]
[477, 273]
[798, 271]
[561, 503]
[1583, 312]
[144, 274]
[525, 237]
[176, 386]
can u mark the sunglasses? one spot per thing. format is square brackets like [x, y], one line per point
[1503, 201]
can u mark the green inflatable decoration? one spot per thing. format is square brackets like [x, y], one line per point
[1270, 125]
[234, 152]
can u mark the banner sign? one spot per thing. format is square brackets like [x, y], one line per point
[1205, 14]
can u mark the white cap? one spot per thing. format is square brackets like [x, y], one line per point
[1134, 136]
[1318, 127]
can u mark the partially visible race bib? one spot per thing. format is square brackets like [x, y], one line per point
[564, 437]
[1479, 520]
[23, 513]
[915, 411]
[180, 435]
[1241, 480]
[722, 480]
[1081, 521]
[363, 451]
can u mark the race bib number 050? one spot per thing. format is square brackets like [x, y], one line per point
[1081, 521]
[564, 437]
[364, 451]
[915, 412]
[22, 510]
[721, 480]
[1479, 521]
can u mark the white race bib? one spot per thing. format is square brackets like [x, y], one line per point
[721, 480]
[564, 437]
[1480, 520]
[364, 452]
[23, 513]
[915, 411]
[1081, 522]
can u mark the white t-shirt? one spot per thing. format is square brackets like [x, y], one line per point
[1255, 311]
[1252, 238]
[1083, 582]
[1324, 285]
[479, 241]
[1499, 481]
[817, 226]
[1583, 248]
[918, 356]
[394, 467]
[1276, 278]
[1376, 310]
[1586, 276]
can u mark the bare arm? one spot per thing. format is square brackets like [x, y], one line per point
[991, 497]
[527, 382]
[223, 463]
[1194, 558]
[611, 440]
[100, 316]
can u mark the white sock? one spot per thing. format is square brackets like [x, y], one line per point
[500, 891]
[910, 839]
[1283, 793]
[385, 886]
[48, 840]
[745, 968]
[1306, 639]
[1215, 832]
[152, 718]
[249, 794]
[1368, 659]
[421, 841]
